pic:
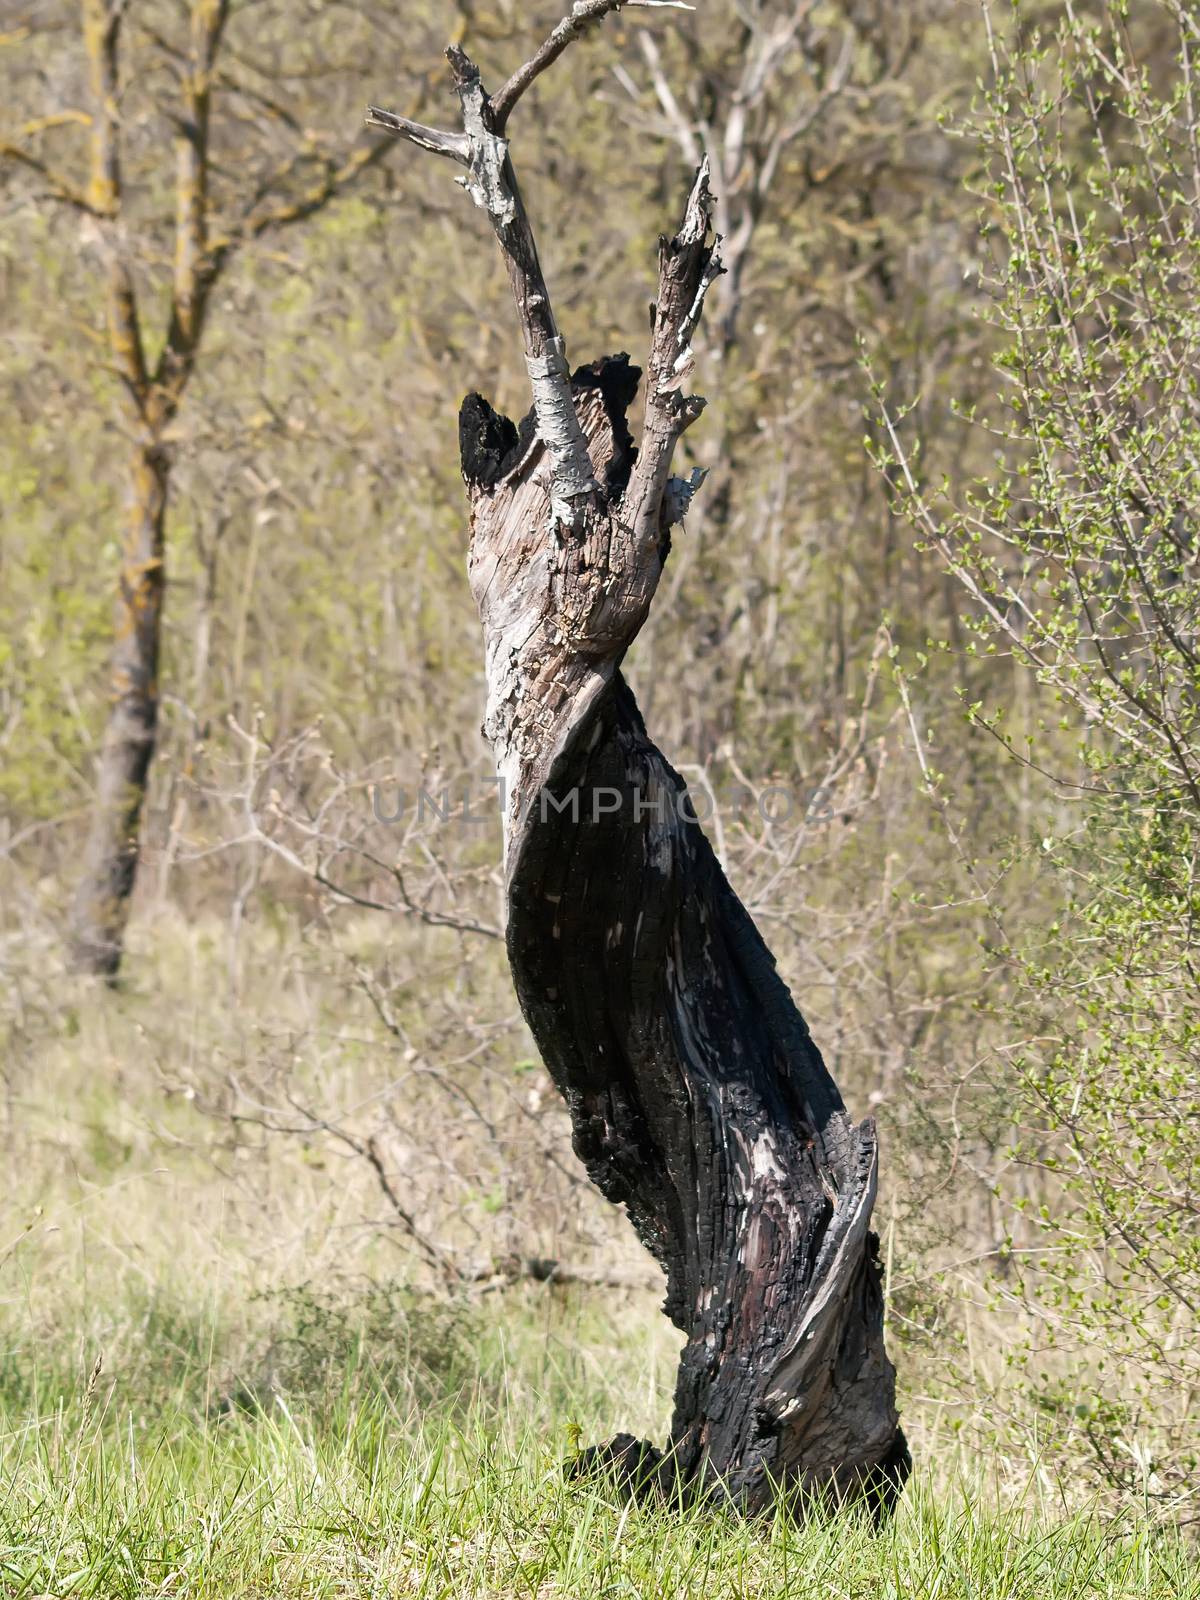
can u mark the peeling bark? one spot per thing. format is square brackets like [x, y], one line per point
[698, 1099]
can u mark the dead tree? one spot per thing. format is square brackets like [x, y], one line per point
[697, 1097]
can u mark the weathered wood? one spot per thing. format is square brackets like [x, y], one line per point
[698, 1100]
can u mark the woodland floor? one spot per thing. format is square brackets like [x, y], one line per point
[429, 1464]
[279, 1410]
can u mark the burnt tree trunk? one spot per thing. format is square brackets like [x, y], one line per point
[697, 1097]
[110, 860]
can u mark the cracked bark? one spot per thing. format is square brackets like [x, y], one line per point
[698, 1099]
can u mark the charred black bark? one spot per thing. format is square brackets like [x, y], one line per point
[700, 1102]
[697, 1097]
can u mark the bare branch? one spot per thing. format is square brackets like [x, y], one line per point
[101, 30]
[499, 1273]
[584, 14]
[195, 269]
[454, 145]
[786, 134]
[59, 188]
[334, 181]
[493, 187]
[366, 1150]
[688, 265]
[682, 128]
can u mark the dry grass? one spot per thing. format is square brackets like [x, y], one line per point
[288, 1404]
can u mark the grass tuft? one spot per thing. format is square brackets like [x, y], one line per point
[392, 1446]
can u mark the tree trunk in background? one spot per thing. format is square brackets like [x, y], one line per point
[263, 194]
[111, 855]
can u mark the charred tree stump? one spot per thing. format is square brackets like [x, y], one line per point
[697, 1097]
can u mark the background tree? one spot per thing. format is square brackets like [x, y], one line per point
[246, 174]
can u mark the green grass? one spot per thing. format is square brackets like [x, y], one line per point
[391, 1446]
[245, 1437]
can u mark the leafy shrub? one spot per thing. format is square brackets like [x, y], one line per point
[1081, 554]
